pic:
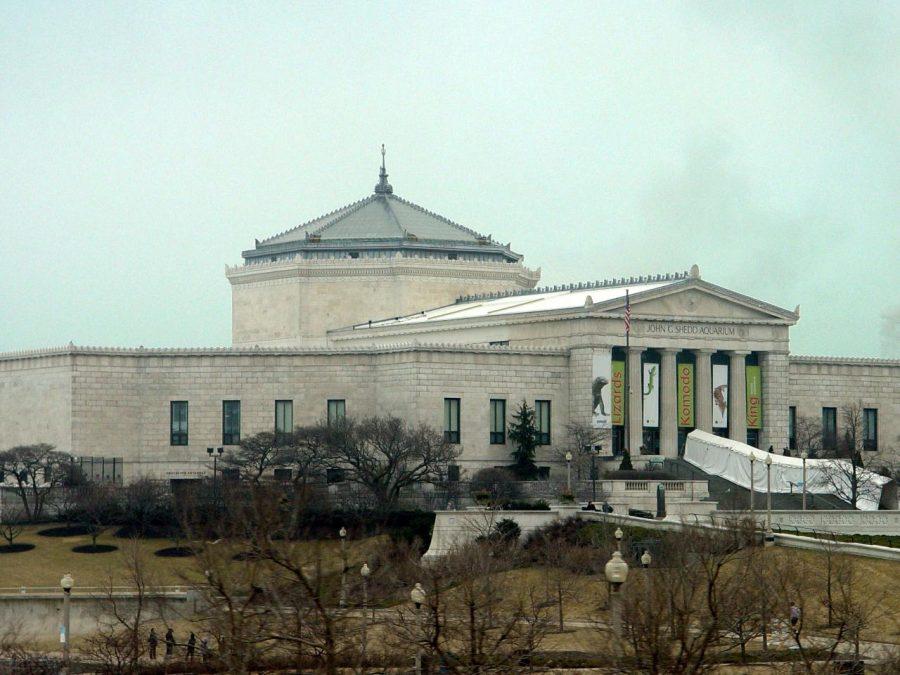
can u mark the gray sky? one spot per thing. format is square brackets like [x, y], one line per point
[144, 145]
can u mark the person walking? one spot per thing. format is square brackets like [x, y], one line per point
[795, 617]
[170, 644]
[152, 641]
[191, 645]
[204, 650]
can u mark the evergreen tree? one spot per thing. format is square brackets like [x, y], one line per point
[523, 433]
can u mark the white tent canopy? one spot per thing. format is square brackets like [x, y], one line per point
[731, 460]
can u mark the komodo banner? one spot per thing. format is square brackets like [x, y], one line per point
[601, 390]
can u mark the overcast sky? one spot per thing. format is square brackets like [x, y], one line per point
[143, 146]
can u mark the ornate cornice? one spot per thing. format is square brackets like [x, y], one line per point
[385, 267]
[845, 361]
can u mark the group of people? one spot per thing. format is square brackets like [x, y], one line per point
[190, 646]
[605, 507]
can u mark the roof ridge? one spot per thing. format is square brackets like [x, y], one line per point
[850, 360]
[355, 204]
[465, 229]
[581, 286]
[346, 211]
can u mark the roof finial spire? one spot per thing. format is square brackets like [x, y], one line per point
[383, 187]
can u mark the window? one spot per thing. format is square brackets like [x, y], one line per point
[498, 421]
[451, 420]
[283, 475]
[284, 420]
[870, 428]
[334, 475]
[337, 410]
[231, 422]
[792, 427]
[829, 428]
[453, 473]
[178, 416]
[542, 422]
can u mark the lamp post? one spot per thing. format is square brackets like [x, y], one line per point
[752, 462]
[769, 536]
[616, 571]
[804, 456]
[594, 471]
[364, 573]
[618, 535]
[215, 453]
[417, 595]
[569, 472]
[66, 584]
[343, 535]
[646, 559]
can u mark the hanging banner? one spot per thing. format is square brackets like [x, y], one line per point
[601, 390]
[618, 393]
[754, 398]
[651, 395]
[685, 373]
[720, 396]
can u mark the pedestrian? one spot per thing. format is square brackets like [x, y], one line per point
[606, 508]
[152, 641]
[204, 649]
[170, 644]
[795, 616]
[191, 645]
[590, 507]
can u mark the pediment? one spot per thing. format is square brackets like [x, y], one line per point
[702, 300]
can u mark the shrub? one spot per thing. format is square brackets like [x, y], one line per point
[494, 485]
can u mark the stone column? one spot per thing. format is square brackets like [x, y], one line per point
[668, 402]
[775, 400]
[703, 390]
[737, 396]
[635, 401]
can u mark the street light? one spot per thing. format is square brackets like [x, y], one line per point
[569, 472]
[417, 595]
[804, 456]
[616, 571]
[752, 462]
[618, 534]
[365, 572]
[594, 454]
[66, 584]
[646, 559]
[215, 453]
[769, 536]
[343, 535]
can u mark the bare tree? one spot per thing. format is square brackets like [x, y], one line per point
[36, 471]
[809, 435]
[12, 523]
[96, 504]
[581, 439]
[844, 473]
[306, 454]
[117, 644]
[256, 456]
[473, 621]
[385, 455]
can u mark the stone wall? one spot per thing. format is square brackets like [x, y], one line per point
[36, 401]
[296, 302]
[817, 382]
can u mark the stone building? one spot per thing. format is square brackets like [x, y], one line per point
[382, 307]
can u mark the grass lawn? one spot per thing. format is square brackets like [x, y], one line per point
[52, 557]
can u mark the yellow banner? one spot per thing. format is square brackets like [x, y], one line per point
[685, 372]
[754, 398]
[618, 393]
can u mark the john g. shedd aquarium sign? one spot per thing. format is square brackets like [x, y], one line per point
[690, 329]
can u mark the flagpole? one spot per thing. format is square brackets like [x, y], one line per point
[626, 441]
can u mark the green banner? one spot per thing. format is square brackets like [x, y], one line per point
[618, 393]
[754, 398]
[685, 372]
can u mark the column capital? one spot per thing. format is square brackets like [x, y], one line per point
[668, 350]
[739, 352]
[703, 350]
[636, 350]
